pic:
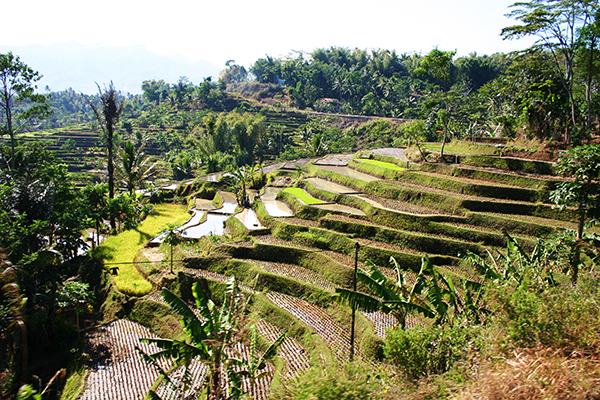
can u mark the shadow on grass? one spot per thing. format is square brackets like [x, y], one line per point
[144, 236]
[103, 253]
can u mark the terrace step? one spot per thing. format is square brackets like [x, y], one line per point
[472, 187]
[318, 319]
[525, 181]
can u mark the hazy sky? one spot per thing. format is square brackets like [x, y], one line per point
[246, 30]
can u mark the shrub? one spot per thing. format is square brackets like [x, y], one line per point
[419, 352]
[559, 317]
[329, 383]
[310, 239]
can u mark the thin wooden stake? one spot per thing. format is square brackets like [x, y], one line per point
[356, 245]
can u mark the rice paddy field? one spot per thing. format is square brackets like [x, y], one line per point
[291, 269]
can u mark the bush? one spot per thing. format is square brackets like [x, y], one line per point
[419, 352]
[329, 383]
[561, 317]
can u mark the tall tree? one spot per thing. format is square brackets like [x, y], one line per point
[108, 116]
[557, 24]
[588, 58]
[18, 101]
[583, 164]
[155, 90]
[438, 64]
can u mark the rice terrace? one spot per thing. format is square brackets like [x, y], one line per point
[340, 224]
[290, 269]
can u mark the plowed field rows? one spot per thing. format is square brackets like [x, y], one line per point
[387, 246]
[296, 272]
[167, 391]
[463, 179]
[340, 258]
[262, 385]
[318, 319]
[463, 196]
[123, 374]
[214, 276]
[381, 321]
[272, 240]
[399, 206]
[295, 355]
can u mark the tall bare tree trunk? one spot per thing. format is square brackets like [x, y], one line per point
[110, 167]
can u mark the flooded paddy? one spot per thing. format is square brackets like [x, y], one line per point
[273, 207]
[250, 220]
[214, 224]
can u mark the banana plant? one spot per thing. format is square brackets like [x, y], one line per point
[516, 265]
[439, 290]
[254, 367]
[387, 296]
[212, 335]
[433, 295]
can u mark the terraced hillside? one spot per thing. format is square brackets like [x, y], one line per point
[377, 208]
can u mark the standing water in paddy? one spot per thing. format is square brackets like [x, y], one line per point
[214, 224]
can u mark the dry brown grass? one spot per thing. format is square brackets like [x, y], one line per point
[541, 374]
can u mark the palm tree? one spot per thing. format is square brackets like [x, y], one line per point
[242, 177]
[107, 117]
[133, 166]
[317, 145]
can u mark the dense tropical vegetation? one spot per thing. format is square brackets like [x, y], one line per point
[484, 256]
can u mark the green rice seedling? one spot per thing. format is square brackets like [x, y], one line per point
[301, 194]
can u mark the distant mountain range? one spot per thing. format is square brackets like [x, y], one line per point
[78, 66]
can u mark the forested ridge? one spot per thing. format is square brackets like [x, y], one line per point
[387, 226]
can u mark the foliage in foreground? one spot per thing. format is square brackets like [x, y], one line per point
[355, 381]
[213, 337]
[538, 338]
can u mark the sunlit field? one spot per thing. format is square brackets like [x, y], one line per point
[123, 247]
